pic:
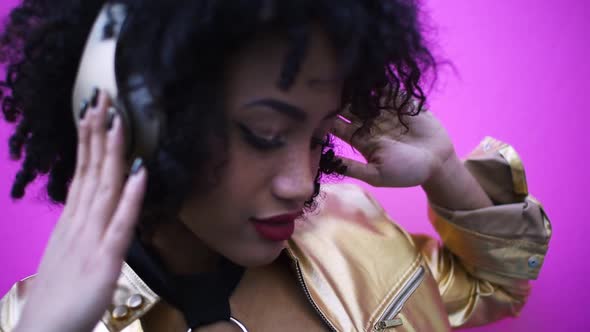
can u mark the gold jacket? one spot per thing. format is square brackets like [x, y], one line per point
[361, 272]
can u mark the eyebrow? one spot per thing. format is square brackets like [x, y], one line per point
[289, 110]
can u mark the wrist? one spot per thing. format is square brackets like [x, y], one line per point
[452, 186]
[443, 175]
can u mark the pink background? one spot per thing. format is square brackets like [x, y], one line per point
[523, 73]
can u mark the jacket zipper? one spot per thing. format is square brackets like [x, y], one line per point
[388, 318]
[308, 295]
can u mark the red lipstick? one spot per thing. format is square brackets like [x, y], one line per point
[277, 228]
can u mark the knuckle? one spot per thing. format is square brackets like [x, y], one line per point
[94, 167]
[96, 123]
[118, 231]
[106, 190]
[83, 166]
[92, 117]
[119, 226]
[83, 129]
[90, 184]
[96, 161]
[113, 148]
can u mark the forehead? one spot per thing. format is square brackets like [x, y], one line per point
[254, 72]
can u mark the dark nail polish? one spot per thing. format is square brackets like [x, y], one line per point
[108, 31]
[137, 165]
[83, 109]
[329, 154]
[94, 98]
[112, 113]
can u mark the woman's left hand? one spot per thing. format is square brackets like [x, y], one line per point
[396, 157]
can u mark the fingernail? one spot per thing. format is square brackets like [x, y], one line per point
[112, 113]
[83, 109]
[137, 165]
[94, 98]
[330, 154]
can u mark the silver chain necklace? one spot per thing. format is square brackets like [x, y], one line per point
[235, 321]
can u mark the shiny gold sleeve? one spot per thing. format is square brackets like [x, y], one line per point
[488, 255]
[12, 303]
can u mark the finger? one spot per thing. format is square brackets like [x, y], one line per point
[82, 161]
[111, 178]
[120, 230]
[365, 172]
[89, 183]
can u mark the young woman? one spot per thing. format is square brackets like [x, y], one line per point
[224, 112]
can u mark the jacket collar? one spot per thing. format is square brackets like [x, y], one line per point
[350, 284]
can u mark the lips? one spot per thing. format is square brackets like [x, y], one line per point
[276, 228]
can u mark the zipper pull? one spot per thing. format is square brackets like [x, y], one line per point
[387, 324]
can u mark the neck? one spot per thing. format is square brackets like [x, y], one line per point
[181, 252]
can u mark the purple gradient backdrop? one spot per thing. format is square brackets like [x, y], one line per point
[523, 71]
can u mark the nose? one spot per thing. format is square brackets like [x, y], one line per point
[294, 182]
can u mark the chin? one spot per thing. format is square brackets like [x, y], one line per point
[259, 254]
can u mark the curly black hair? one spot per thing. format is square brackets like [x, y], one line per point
[182, 47]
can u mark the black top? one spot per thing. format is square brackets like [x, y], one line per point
[202, 298]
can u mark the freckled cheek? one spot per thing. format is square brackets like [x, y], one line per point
[247, 168]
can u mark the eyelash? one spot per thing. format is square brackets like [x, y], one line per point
[264, 144]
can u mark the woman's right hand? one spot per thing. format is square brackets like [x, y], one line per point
[83, 259]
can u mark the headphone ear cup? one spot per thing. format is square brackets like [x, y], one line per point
[145, 120]
[100, 66]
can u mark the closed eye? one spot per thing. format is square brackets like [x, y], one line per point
[261, 143]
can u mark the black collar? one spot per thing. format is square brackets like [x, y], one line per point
[202, 298]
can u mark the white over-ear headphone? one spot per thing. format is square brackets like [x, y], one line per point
[141, 119]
